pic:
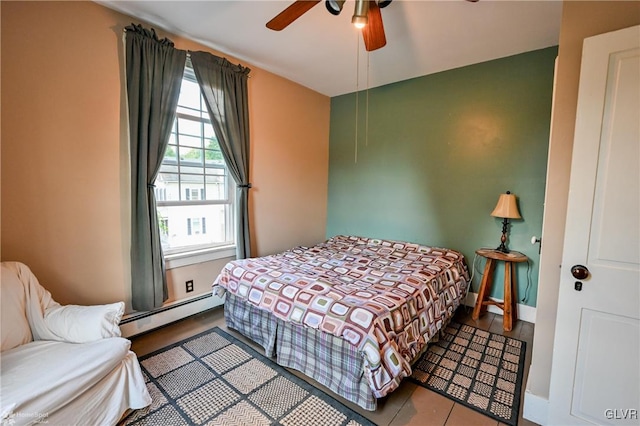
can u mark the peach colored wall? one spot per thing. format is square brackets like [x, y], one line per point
[293, 173]
[580, 19]
[65, 196]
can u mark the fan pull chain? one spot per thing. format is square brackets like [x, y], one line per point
[366, 114]
[355, 160]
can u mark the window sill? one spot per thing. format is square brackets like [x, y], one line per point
[179, 260]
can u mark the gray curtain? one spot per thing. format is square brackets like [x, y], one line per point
[154, 71]
[224, 87]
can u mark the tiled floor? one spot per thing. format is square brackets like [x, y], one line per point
[409, 405]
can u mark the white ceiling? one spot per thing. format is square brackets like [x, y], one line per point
[319, 50]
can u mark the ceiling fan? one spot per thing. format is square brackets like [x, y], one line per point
[366, 16]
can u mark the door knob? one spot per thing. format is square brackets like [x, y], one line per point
[579, 272]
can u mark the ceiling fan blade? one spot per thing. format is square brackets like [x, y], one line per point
[373, 32]
[290, 14]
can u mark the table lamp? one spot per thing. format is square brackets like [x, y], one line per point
[506, 208]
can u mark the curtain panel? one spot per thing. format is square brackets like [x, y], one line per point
[224, 88]
[154, 70]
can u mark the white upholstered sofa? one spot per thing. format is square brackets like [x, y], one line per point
[62, 365]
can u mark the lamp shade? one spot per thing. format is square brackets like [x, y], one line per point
[506, 207]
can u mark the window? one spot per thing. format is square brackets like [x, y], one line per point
[194, 194]
[194, 190]
[164, 229]
[196, 225]
[161, 194]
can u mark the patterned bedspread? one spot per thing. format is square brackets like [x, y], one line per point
[387, 298]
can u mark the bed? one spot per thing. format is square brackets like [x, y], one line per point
[352, 313]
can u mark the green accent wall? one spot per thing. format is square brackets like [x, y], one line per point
[434, 153]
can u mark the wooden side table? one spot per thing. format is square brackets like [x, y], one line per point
[509, 306]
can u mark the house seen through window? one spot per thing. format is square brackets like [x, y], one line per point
[194, 191]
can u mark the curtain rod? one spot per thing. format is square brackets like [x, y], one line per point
[124, 34]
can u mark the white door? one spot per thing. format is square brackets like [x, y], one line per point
[595, 376]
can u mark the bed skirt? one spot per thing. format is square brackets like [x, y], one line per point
[330, 360]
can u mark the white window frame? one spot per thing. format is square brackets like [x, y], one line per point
[175, 258]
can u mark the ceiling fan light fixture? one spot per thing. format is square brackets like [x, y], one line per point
[359, 21]
[359, 18]
[334, 6]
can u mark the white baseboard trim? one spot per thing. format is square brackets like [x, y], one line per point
[525, 312]
[536, 408]
[140, 322]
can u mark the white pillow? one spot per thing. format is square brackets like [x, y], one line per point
[80, 324]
